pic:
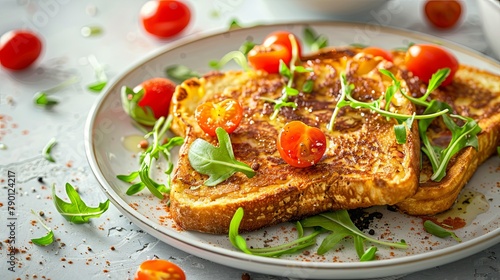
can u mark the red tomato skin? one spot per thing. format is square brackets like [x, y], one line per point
[268, 58]
[226, 114]
[443, 14]
[158, 93]
[19, 49]
[301, 145]
[159, 269]
[165, 18]
[282, 38]
[423, 60]
[376, 51]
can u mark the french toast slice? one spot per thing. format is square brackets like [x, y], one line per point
[362, 166]
[474, 93]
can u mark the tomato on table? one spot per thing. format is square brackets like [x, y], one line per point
[159, 269]
[226, 114]
[148, 101]
[443, 13]
[268, 58]
[426, 59]
[165, 18]
[19, 49]
[376, 51]
[283, 38]
[301, 145]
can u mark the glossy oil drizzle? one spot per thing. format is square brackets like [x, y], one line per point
[468, 206]
[132, 143]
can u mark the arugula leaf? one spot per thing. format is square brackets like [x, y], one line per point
[313, 40]
[439, 231]
[77, 211]
[239, 241]
[46, 239]
[48, 148]
[217, 162]
[179, 73]
[153, 153]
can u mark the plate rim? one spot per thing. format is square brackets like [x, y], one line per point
[452, 253]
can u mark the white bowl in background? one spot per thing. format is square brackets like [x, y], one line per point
[337, 8]
[489, 11]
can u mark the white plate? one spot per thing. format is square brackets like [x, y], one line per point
[107, 125]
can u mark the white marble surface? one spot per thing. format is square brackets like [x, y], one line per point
[111, 247]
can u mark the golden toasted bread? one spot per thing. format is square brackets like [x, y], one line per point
[362, 166]
[476, 94]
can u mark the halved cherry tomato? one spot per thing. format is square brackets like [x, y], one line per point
[443, 13]
[425, 59]
[301, 145]
[226, 114]
[159, 269]
[376, 51]
[268, 58]
[282, 38]
[19, 49]
[165, 18]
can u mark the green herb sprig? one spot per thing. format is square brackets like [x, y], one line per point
[148, 157]
[338, 223]
[77, 211]
[237, 56]
[179, 73]
[130, 102]
[239, 241]
[289, 73]
[439, 231]
[46, 239]
[217, 162]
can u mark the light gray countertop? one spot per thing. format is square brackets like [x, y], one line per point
[112, 247]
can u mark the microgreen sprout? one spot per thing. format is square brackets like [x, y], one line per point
[151, 155]
[313, 40]
[46, 239]
[237, 56]
[101, 77]
[48, 148]
[179, 73]
[43, 99]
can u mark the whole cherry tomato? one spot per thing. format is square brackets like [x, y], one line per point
[148, 101]
[301, 145]
[282, 38]
[443, 13]
[425, 59]
[376, 51]
[19, 49]
[268, 58]
[165, 18]
[226, 114]
[159, 269]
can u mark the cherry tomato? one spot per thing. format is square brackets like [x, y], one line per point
[376, 51]
[425, 59]
[19, 49]
[268, 58]
[226, 114]
[443, 13]
[165, 18]
[301, 145]
[282, 38]
[157, 95]
[158, 269]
